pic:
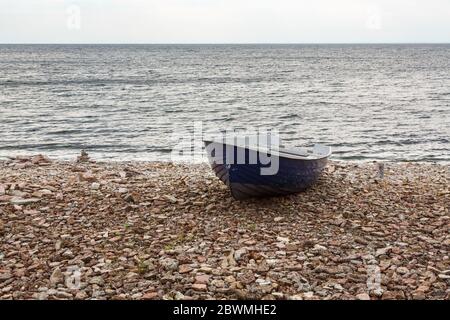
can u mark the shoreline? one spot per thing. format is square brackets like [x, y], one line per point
[68, 159]
[159, 230]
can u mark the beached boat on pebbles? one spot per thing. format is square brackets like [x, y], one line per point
[251, 170]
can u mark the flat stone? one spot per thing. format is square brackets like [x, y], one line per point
[184, 268]
[199, 287]
[204, 279]
[21, 201]
[402, 270]
[150, 295]
[363, 296]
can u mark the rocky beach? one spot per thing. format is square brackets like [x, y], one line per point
[153, 230]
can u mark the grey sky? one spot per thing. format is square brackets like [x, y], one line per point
[223, 21]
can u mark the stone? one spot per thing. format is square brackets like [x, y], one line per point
[81, 295]
[170, 198]
[184, 268]
[319, 247]
[418, 295]
[402, 270]
[291, 247]
[382, 251]
[283, 239]
[246, 277]
[204, 279]
[377, 292]
[179, 296]
[150, 295]
[199, 287]
[41, 296]
[21, 201]
[97, 280]
[138, 247]
[362, 296]
[63, 295]
[218, 283]
[169, 264]
[95, 186]
[56, 277]
[39, 159]
[263, 282]
[308, 295]
[278, 219]
[5, 198]
[122, 190]
[88, 177]
[239, 253]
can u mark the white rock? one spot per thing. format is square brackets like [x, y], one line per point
[20, 201]
[318, 247]
[239, 253]
[283, 239]
[263, 282]
[271, 262]
[45, 191]
[122, 190]
[95, 186]
[378, 292]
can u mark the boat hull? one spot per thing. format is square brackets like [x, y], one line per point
[245, 180]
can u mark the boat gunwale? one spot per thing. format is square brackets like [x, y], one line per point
[282, 152]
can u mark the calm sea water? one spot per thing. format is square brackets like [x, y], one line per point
[389, 102]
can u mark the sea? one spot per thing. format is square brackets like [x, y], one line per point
[369, 102]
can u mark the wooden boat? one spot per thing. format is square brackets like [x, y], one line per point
[297, 169]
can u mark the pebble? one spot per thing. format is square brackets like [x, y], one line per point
[239, 253]
[179, 235]
[204, 279]
[184, 268]
[20, 201]
[199, 287]
[56, 276]
[122, 190]
[97, 280]
[169, 263]
[95, 186]
[362, 296]
[402, 270]
[150, 295]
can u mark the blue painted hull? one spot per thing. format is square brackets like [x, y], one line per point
[245, 180]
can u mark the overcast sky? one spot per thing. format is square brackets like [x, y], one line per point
[224, 21]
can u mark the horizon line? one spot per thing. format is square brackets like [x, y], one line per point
[215, 43]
